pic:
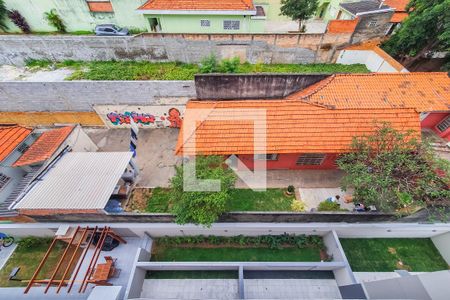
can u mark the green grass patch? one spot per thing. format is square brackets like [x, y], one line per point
[28, 257]
[159, 201]
[143, 70]
[171, 253]
[385, 255]
[192, 275]
[241, 200]
[268, 200]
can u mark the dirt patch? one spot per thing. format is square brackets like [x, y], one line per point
[138, 200]
[392, 250]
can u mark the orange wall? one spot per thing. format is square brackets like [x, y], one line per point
[288, 161]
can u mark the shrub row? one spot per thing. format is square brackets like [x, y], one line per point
[271, 241]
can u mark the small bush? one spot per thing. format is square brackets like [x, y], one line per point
[298, 206]
[33, 242]
[291, 189]
[55, 20]
[38, 63]
[329, 206]
[17, 18]
[209, 64]
[229, 65]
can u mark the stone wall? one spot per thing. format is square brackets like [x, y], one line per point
[189, 48]
[83, 95]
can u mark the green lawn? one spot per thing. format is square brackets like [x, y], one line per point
[383, 255]
[241, 200]
[28, 260]
[142, 70]
[173, 253]
[269, 200]
[192, 275]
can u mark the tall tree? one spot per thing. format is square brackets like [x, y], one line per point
[298, 10]
[3, 16]
[426, 29]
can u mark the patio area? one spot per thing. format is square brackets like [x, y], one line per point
[313, 196]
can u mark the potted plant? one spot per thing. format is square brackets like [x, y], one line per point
[290, 190]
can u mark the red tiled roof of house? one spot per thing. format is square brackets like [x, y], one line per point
[291, 127]
[44, 147]
[423, 92]
[342, 26]
[399, 5]
[373, 46]
[10, 138]
[100, 6]
[398, 17]
[198, 5]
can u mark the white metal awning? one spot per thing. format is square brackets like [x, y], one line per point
[79, 180]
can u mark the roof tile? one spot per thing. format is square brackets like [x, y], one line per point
[44, 147]
[10, 138]
[198, 5]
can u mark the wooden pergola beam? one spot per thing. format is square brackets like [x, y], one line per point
[61, 260]
[72, 259]
[41, 264]
[83, 256]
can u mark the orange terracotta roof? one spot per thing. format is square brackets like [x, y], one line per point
[291, 127]
[399, 5]
[198, 5]
[10, 138]
[342, 26]
[423, 92]
[373, 46]
[398, 17]
[100, 6]
[44, 147]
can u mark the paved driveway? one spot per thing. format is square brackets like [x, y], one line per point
[155, 151]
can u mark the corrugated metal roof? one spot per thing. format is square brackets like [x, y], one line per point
[79, 180]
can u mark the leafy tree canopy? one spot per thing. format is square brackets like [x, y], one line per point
[298, 10]
[393, 170]
[201, 207]
[427, 28]
[3, 16]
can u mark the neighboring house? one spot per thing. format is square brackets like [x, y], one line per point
[400, 13]
[310, 128]
[203, 16]
[80, 182]
[25, 153]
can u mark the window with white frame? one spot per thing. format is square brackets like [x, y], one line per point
[266, 156]
[444, 124]
[311, 159]
[205, 23]
[4, 180]
[231, 24]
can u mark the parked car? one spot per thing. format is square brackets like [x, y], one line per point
[110, 29]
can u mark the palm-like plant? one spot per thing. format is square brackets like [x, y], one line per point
[19, 21]
[3, 16]
[55, 20]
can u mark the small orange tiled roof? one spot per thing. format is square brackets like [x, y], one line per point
[197, 5]
[423, 92]
[10, 138]
[398, 17]
[44, 147]
[100, 6]
[399, 5]
[291, 127]
[342, 26]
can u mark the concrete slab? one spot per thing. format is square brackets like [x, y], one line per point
[313, 196]
[190, 289]
[291, 289]
[155, 151]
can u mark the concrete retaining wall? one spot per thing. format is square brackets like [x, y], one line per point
[190, 48]
[442, 243]
[235, 217]
[82, 95]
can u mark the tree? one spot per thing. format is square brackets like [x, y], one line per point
[393, 170]
[426, 29]
[3, 16]
[202, 207]
[298, 10]
[17, 18]
[55, 20]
